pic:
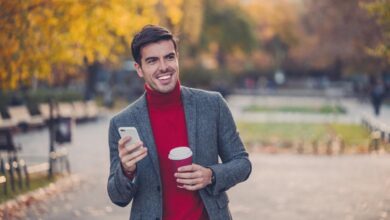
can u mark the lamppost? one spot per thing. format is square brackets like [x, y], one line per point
[51, 124]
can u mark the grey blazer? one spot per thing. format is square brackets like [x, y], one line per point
[212, 134]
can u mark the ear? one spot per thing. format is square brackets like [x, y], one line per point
[138, 68]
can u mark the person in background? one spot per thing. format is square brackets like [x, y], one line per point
[377, 94]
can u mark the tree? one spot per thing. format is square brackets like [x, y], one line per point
[381, 10]
[48, 40]
[339, 33]
[227, 28]
[278, 28]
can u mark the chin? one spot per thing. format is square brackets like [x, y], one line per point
[167, 88]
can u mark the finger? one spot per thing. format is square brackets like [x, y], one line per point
[130, 149]
[131, 156]
[187, 168]
[193, 187]
[190, 181]
[136, 159]
[133, 147]
[122, 142]
[188, 175]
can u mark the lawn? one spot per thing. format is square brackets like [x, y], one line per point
[36, 182]
[288, 135]
[324, 109]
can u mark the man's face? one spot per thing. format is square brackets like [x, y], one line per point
[160, 66]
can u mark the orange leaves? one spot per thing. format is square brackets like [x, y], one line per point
[173, 10]
[36, 36]
[381, 11]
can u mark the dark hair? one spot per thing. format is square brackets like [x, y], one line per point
[149, 34]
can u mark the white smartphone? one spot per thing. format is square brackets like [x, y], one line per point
[129, 131]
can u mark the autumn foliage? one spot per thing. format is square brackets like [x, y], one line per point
[49, 40]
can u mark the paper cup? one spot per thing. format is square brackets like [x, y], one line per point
[180, 156]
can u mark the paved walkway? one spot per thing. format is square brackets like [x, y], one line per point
[281, 186]
[310, 187]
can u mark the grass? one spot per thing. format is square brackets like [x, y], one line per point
[286, 134]
[36, 181]
[257, 132]
[325, 109]
[352, 134]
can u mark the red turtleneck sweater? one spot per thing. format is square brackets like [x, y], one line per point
[167, 118]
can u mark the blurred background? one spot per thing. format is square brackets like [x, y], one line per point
[305, 80]
[82, 47]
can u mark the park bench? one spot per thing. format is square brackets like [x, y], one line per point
[13, 166]
[65, 110]
[92, 109]
[79, 111]
[6, 124]
[380, 133]
[21, 116]
[44, 109]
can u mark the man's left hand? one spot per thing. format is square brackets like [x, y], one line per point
[193, 177]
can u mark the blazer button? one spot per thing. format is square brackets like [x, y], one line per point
[158, 188]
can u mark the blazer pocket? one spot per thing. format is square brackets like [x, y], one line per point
[222, 200]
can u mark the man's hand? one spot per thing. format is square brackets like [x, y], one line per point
[193, 177]
[130, 155]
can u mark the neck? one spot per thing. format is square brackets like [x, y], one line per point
[156, 98]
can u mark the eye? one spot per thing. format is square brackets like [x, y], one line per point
[150, 61]
[171, 57]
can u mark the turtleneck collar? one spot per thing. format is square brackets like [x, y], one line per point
[159, 99]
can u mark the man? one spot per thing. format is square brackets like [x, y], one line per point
[169, 115]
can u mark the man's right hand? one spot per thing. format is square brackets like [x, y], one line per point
[130, 155]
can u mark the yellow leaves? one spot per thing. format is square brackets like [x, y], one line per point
[38, 35]
[380, 50]
[192, 20]
[381, 11]
[173, 10]
[274, 18]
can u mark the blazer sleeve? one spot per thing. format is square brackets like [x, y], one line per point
[121, 189]
[235, 166]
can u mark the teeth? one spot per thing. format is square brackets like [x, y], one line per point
[164, 77]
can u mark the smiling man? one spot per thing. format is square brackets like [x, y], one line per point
[169, 115]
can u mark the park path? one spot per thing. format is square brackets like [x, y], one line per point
[296, 187]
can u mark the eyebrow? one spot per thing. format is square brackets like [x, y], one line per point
[154, 58]
[170, 54]
[150, 59]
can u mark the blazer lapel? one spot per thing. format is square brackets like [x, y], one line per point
[190, 115]
[146, 133]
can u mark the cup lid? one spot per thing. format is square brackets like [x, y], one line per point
[179, 153]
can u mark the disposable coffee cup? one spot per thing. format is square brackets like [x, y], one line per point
[180, 156]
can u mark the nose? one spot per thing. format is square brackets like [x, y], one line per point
[163, 66]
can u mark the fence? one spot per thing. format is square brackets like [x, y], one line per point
[15, 174]
[380, 133]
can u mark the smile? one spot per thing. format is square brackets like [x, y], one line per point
[164, 77]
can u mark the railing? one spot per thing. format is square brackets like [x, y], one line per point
[380, 133]
[15, 173]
